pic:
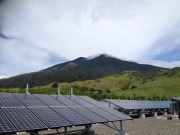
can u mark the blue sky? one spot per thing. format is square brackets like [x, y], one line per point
[36, 34]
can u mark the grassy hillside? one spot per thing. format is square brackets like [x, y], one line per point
[134, 85]
[131, 84]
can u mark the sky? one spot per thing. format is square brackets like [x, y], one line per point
[36, 34]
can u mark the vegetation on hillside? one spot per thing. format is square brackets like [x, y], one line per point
[126, 85]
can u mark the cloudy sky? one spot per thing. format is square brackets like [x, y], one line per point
[35, 34]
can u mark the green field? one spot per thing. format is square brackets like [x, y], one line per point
[126, 85]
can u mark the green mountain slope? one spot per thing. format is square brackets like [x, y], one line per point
[77, 70]
[133, 84]
[129, 84]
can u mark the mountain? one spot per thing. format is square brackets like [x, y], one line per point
[78, 69]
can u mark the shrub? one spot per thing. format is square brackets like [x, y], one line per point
[54, 85]
[133, 87]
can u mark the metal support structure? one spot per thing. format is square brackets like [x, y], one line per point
[121, 127]
[57, 131]
[174, 106]
[87, 127]
[65, 130]
[27, 89]
[113, 126]
[110, 126]
[71, 92]
[77, 132]
[59, 90]
[33, 132]
[17, 90]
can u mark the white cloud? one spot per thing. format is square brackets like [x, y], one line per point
[164, 64]
[3, 76]
[70, 29]
[19, 56]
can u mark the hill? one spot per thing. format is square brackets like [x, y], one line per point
[79, 69]
[128, 84]
[131, 84]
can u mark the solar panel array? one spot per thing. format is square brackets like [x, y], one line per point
[139, 104]
[26, 112]
[100, 108]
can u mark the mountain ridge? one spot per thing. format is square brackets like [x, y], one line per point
[79, 69]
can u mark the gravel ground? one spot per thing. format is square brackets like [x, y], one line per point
[147, 126]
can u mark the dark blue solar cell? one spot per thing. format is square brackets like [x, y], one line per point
[80, 101]
[8, 100]
[71, 115]
[65, 100]
[50, 117]
[5, 125]
[24, 119]
[104, 114]
[48, 100]
[89, 114]
[92, 101]
[116, 113]
[29, 100]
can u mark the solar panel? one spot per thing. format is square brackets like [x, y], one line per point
[50, 117]
[6, 95]
[72, 116]
[125, 104]
[107, 113]
[48, 100]
[5, 124]
[116, 113]
[135, 104]
[92, 101]
[8, 100]
[23, 119]
[65, 100]
[105, 107]
[89, 114]
[104, 114]
[161, 104]
[29, 100]
[80, 101]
